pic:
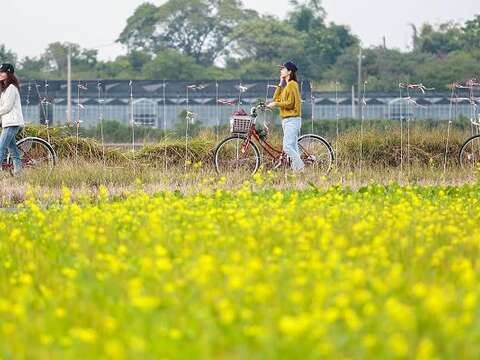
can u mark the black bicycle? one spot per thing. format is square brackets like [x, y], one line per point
[35, 153]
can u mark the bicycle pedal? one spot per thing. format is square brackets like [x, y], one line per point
[311, 158]
[277, 165]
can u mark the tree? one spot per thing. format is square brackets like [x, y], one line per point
[7, 56]
[211, 30]
[307, 15]
[383, 68]
[32, 68]
[456, 66]
[471, 33]
[267, 39]
[172, 65]
[257, 70]
[128, 66]
[56, 57]
[321, 44]
[442, 40]
[322, 48]
[138, 59]
[197, 28]
[120, 68]
[139, 34]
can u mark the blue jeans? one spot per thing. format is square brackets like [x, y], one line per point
[8, 141]
[291, 131]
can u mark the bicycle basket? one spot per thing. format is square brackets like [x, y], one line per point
[240, 124]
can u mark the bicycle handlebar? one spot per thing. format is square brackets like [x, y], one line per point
[261, 106]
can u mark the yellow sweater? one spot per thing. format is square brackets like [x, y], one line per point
[289, 100]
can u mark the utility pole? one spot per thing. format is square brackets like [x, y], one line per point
[69, 85]
[353, 101]
[359, 85]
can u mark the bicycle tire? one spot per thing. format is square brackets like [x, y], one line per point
[326, 161]
[464, 155]
[239, 139]
[26, 145]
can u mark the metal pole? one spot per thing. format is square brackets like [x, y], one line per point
[217, 113]
[132, 116]
[78, 122]
[239, 95]
[353, 101]
[361, 107]
[46, 112]
[312, 103]
[359, 86]
[101, 104]
[401, 132]
[337, 117]
[186, 129]
[69, 85]
[165, 124]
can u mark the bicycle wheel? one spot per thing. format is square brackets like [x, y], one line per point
[36, 153]
[237, 155]
[316, 153]
[469, 156]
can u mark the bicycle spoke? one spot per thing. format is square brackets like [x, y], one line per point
[37, 160]
[235, 155]
[35, 153]
[316, 154]
[470, 154]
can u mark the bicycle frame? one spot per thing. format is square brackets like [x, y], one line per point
[8, 165]
[26, 159]
[274, 153]
[244, 130]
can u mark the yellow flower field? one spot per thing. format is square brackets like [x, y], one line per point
[380, 273]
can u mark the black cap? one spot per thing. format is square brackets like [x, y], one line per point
[7, 68]
[290, 65]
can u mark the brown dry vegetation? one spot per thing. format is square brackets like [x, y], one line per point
[82, 167]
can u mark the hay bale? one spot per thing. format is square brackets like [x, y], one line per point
[383, 148]
[198, 150]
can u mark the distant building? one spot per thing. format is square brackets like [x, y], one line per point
[158, 104]
[385, 105]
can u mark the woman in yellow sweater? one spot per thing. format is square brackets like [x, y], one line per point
[287, 98]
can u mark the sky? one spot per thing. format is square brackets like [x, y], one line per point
[31, 25]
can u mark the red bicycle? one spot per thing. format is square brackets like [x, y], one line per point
[240, 152]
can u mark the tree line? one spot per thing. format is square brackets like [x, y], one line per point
[221, 39]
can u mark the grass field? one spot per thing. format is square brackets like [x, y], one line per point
[381, 272]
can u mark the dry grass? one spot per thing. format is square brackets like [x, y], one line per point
[84, 178]
[384, 148]
[83, 169]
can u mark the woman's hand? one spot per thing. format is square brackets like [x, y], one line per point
[271, 104]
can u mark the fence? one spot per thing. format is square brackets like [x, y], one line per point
[160, 104]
